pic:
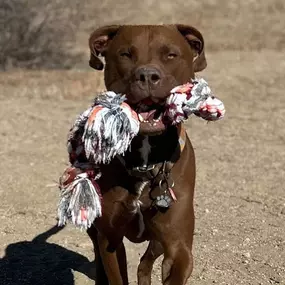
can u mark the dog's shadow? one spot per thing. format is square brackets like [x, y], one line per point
[39, 262]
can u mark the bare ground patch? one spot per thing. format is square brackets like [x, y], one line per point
[240, 201]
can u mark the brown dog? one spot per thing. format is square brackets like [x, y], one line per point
[145, 63]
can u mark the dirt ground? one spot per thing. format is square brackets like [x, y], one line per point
[240, 200]
[240, 192]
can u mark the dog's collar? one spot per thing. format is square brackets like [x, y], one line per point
[151, 170]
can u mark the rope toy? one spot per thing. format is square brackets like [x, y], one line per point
[195, 98]
[81, 199]
[105, 130]
[109, 126]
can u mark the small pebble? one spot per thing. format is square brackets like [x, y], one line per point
[247, 255]
[246, 241]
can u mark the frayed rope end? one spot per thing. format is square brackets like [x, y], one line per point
[80, 201]
[110, 128]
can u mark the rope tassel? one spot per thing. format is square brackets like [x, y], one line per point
[80, 199]
[110, 128]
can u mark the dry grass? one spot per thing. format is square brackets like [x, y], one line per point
[37, 34]
[243, 25]
[53, 34]
[52, 85]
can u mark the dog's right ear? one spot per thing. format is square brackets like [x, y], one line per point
[99, 41]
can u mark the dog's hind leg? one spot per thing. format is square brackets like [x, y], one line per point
[153, 251]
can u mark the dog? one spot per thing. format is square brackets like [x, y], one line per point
[147, 193]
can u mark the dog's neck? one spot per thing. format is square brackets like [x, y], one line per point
[149, 150]
[145, 151]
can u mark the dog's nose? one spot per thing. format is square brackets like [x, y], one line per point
[148, 75]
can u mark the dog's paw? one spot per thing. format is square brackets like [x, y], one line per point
[163, 201]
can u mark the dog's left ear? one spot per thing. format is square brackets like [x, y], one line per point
[196, 41]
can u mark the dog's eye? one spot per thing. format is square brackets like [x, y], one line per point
[171, 55]
[126, 54]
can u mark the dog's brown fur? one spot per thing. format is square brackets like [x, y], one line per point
[172, 53]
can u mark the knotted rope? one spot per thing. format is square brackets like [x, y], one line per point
[105, 130]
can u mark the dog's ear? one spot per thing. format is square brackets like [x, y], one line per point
[99, 41]
[196, 41]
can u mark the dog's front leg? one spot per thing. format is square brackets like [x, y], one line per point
[153, 251]
[100, 274]
[114, 262]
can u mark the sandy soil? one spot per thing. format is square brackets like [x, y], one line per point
[240, 200]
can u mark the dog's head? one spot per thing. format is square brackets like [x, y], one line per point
[145, 63]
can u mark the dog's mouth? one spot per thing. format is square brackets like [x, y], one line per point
[150, 115]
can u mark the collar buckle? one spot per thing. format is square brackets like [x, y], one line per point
[144, 168]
